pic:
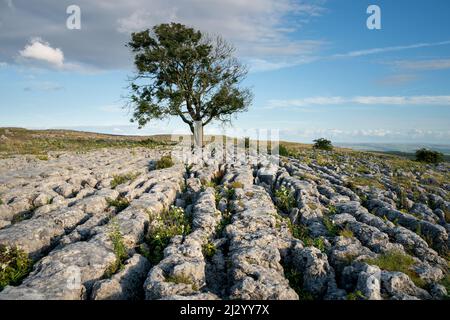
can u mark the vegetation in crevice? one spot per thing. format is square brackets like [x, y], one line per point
[119, 248]
[163, 228]
[14, 266]
[120, 203]
[284, 199]
[164, 163]
[124, 178]
[397, 261]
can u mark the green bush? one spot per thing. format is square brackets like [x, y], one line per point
[164, 227]
[119, 247]
[323, 144]
[121, 179]
[285, 199]
[209, 250]
[346, 233]
[164, 162]
[332, 229]
[429, 156]
[357, 295]
[283, 151]
[14, 266]
[296, 283]
[397, 261]
[120, 204]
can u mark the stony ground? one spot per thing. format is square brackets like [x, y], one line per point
[122, 224]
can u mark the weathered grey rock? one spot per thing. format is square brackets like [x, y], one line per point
[125, 285]
[399, 284]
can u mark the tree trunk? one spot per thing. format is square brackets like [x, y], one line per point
[198, 134]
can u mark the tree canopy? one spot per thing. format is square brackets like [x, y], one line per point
[183, 72]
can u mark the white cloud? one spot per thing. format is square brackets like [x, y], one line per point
[44, 86]
[39, 50]
[398, 79]
[260, 29]
[366, 52]
[112, 109]
[422, 65]
[3, 64]
[10, 4]
[364, 100]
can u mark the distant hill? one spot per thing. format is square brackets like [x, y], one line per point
[400, 148]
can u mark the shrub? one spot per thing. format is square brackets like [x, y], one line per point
[177, 279]
[323, 144]
[329, 225]
[284, 151]
[285, 199]
[42, 157]
[119, 249]
[1, 202]
[247, 142]
[164, 162]
[120, 204]
[429, 156]
[209, 250]
[236, 185]
[397, 261]
[295, 279]
[346, 233]
[121, 179]
[226, 220]
[14, 266]
[162, 228]
[357, 295]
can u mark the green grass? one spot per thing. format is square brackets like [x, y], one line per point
[397, 261]
[446, 283]
[120, 204]
[14, 266]
[42, 157]
[236, 185]
[40, 142]
[363, 182]
[226, 220]
[346, 233]
[296, 283]
[123, 178]
[209, 250]
[285, 199]
[284, 151]
[178, 279]
[120, 250]
[164, 227]
[357, 295]
[164, 162]
[329, 225]
[301, 232]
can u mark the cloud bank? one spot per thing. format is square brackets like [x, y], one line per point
[362, 100]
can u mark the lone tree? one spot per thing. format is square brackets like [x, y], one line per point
[182, 72]
[323, 144]
[429, 156]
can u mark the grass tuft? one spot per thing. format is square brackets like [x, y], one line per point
[164, 227]
[119, 249]
[285, 199]
[120, 204]
[121, 179]
[209, 250]
[164, 162]
[14, 266]
[397, 261]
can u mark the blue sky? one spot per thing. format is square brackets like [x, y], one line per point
[316, 69]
